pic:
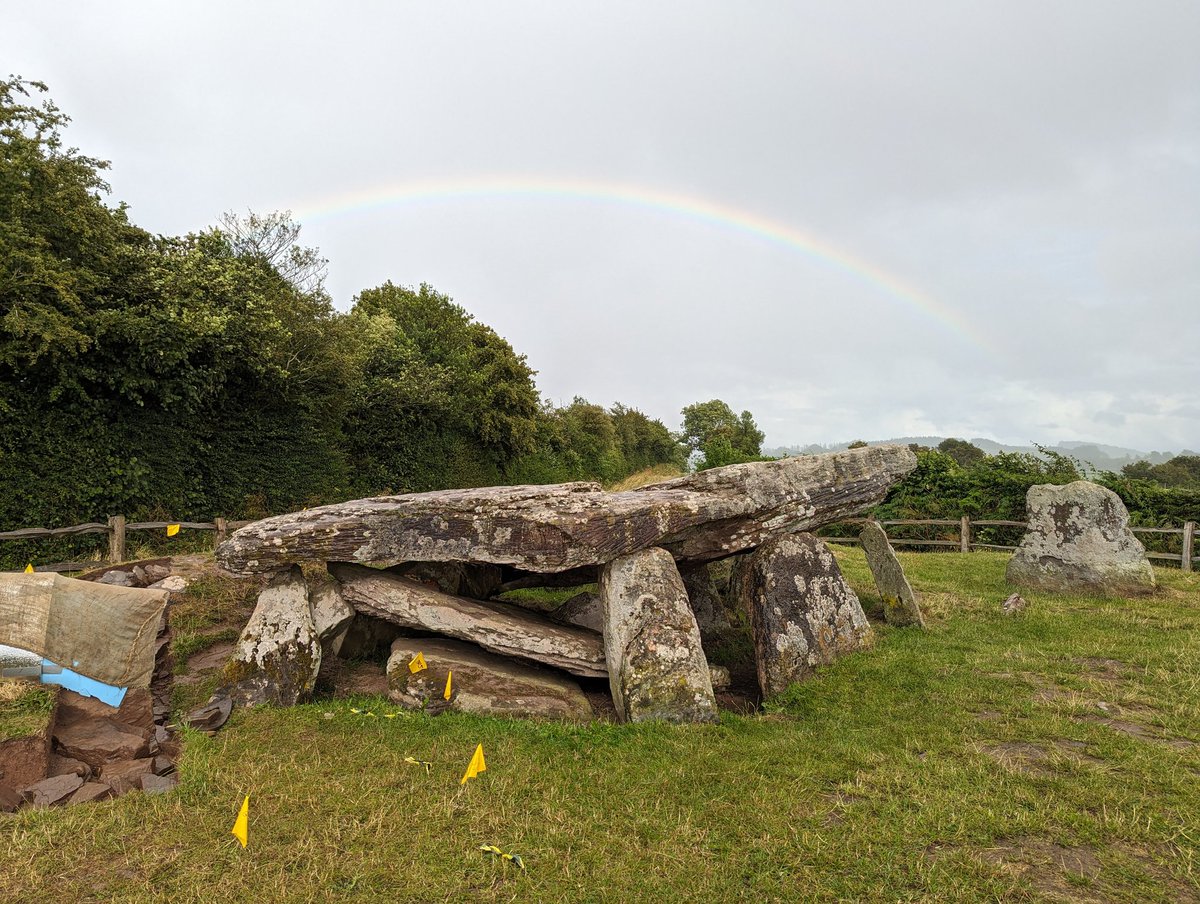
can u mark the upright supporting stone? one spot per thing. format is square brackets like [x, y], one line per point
[900, 606]
[279, 653]
[331, 616]
[704, 598]
[803, 614]
[656, 667]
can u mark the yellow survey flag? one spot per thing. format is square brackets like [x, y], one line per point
[449, 678]
[476, 766]
[172, 530]
[29, 568]
[241, 826]
[417, 663]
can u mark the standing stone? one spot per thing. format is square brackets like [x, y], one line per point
[482, 683]
[656, 667]
[279, 653]
[704, 598]
[803, 614]
[900, 606]
[1078, 541]
[331, 616]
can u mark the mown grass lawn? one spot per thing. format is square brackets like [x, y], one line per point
[1050, 756]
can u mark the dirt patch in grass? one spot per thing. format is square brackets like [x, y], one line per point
[988, 715]
[1039, 759]
[1050, 868]
[341, 678]
[1155, 860]
[1138, 731]
[1108, 669]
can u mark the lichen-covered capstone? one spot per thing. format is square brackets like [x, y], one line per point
[900, 605]
[803, 614]
[482, 683]
[543, 529]
[656, 666]
[1078, 541]
[279, 653]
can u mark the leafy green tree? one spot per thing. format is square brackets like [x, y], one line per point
[713, 425]
[441, 400]
[963, 452]
[644, 442]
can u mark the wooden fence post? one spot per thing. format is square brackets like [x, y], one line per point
[222, 529]
[964, 533]
[1189, 545]
[116, 538]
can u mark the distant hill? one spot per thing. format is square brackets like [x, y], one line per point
[1098, 455]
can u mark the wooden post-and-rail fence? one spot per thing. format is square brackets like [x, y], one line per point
[117, 527]
[1186, 559]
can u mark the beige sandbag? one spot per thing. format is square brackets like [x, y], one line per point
[106, 633]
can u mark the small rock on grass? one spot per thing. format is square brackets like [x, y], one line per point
[1014, 604]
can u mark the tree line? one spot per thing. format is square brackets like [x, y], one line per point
[210, 374]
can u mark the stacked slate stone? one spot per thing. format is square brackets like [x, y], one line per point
[421, 571]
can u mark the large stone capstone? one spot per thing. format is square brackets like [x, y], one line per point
[1078, 541]
[803, 614]
[278, 655]
[656, 666]
[497, 627]
[700, 517]
[900, 604]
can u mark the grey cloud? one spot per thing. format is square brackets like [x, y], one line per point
[1035, 167]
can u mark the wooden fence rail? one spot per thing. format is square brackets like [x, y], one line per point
[1186, 558]
[117, 527]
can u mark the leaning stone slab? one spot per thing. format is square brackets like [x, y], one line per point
[1078, 541]
[803, 614]
[279, 653]
[704, 516]
[900, 605]
[497, 627]
[656, 667]
[482, 683]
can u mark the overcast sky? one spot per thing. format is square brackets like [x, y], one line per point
[853, 219]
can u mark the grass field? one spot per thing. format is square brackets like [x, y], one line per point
[1050, 756]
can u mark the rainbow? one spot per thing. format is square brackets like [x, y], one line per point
[671, 203]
